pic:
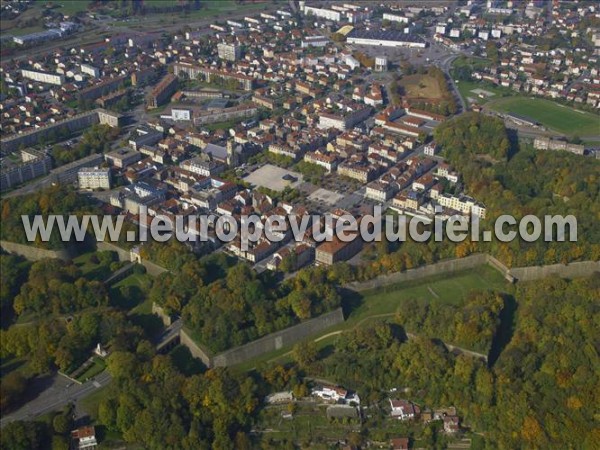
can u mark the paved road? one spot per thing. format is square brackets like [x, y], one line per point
[60, 392]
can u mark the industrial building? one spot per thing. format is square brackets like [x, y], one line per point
[385, 39]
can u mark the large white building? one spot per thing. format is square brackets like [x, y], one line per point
[93, 178]
[90, 70]
[462, 203]
[44, 77]
[338, 13]
[229, 52]
[385, 39]
[322, 13]
[395, 18]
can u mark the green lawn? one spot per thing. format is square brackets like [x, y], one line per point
[90, 402]
[221, 9]
[97, 366]
[66, 7]
[92, 270]
[465, 88]
[143, 281]
[552, 115]
[448, 289]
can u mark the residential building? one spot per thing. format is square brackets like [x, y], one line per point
[399, 443]
[229, 52]
[203, 166]
[545, 143]
[328, 161]
[462, 203]
[335, 250]
[162, 91]
[32, 165]
[84, 438]
[93, 178]
[44, 77]
[404, 410]
[431, 149]
[122, 157]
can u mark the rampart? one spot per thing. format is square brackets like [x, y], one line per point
[439, 268]
[195, 349]
[34, 253]
[572, 270]
[278, 340]
[124, 255]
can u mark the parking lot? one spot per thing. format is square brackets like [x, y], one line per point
[323, 195]
[274, 178]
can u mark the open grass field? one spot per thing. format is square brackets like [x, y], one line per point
[421, 86]
[66, 7]
[552, 115]
[219, 9]
[466, 89]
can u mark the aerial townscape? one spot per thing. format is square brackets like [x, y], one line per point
[425, 112]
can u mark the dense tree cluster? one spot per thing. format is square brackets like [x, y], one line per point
[65, 344]
[472, 134]
[24, 436]
[96, 139]
[471, 325]
[242, 306]
[539, 393]
[13, 273]
[530, 182]
[153, 404]
[225, 310]
[54, 287]
[547, 377]
[55, 435]
[58, 200]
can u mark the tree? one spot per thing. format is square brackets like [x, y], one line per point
[21, 435]
[62, 423]
[12, 387]
[305, 353]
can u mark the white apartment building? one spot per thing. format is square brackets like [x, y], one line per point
[323, 13]
[462, 203]
[90, 70]
[93, 178]
[44, 77]
[229, 52]
[395, 18]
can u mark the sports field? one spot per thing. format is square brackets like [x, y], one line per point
[552, 115]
